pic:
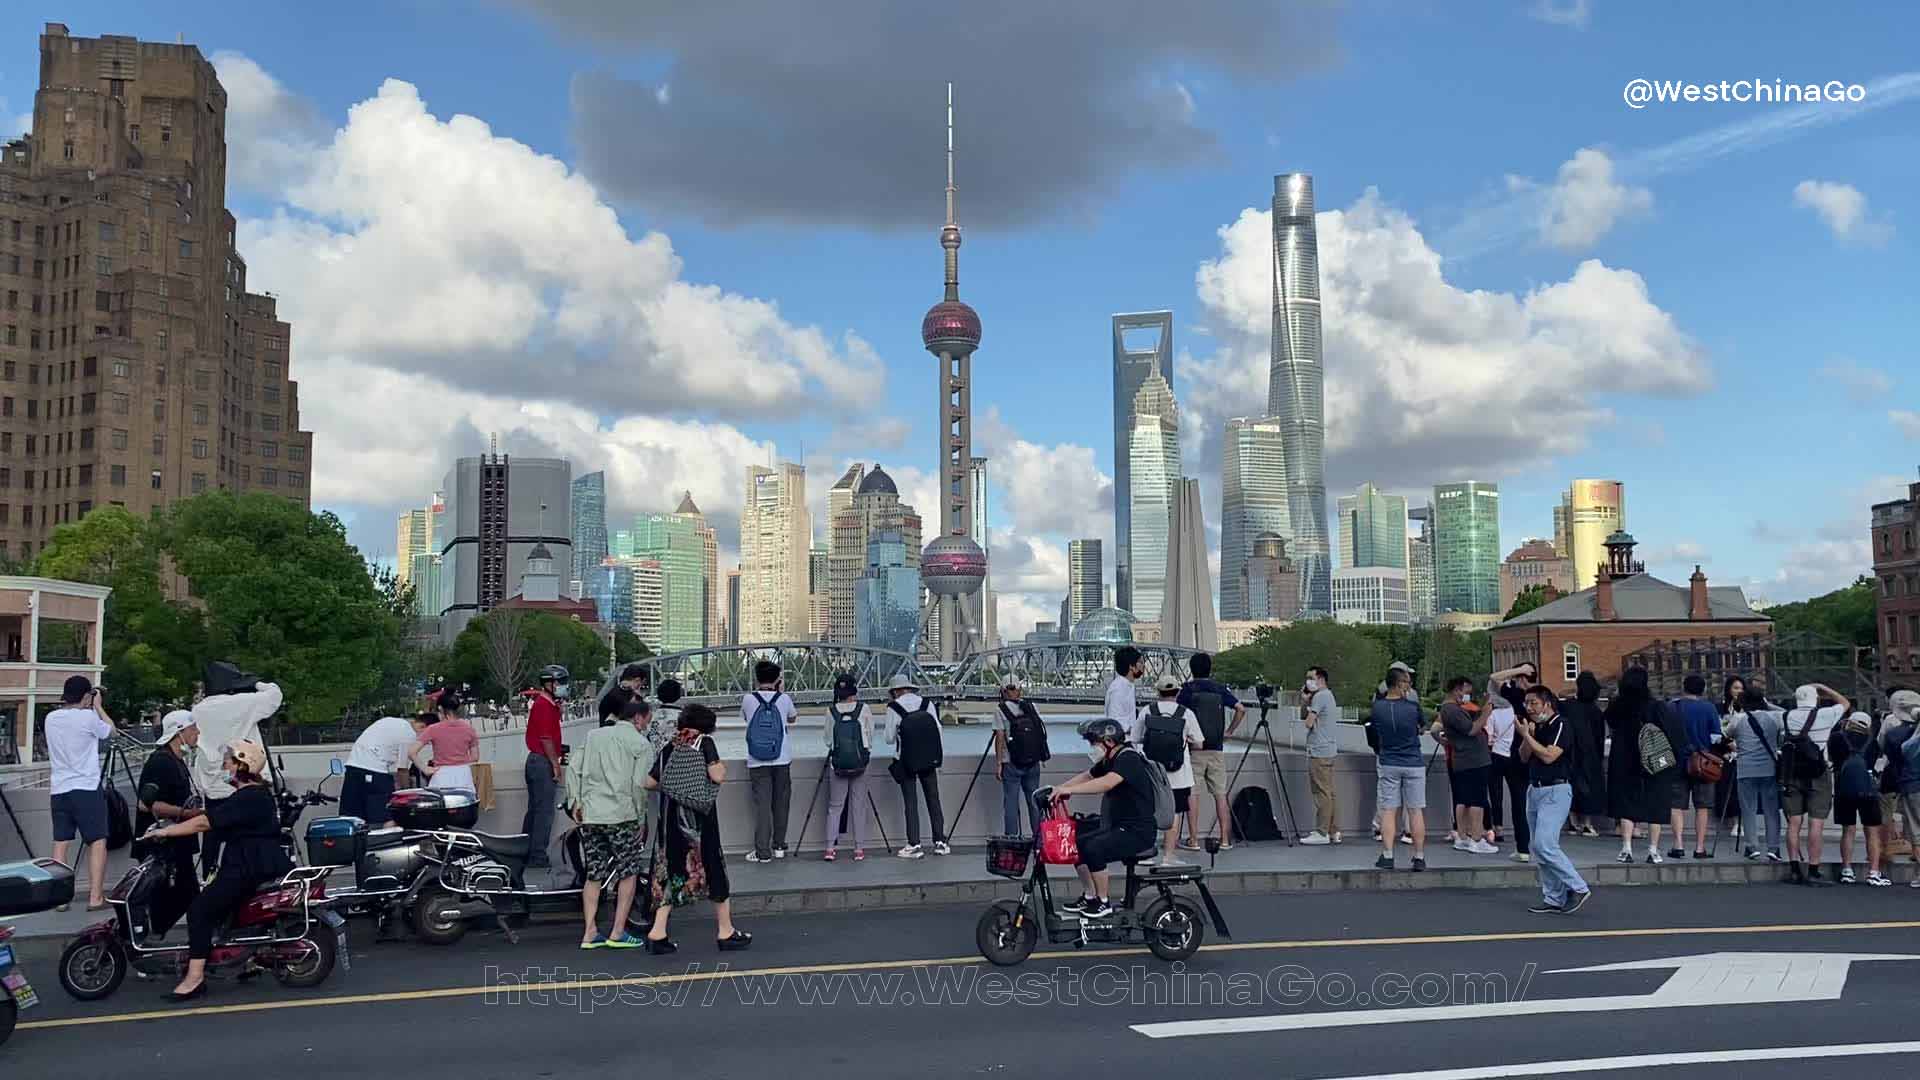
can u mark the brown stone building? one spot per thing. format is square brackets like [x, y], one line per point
[1896, 570]
[135, 367]
[1534, 562]
[1630, 612]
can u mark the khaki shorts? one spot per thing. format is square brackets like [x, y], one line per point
[1799, 798]
[1210, 771]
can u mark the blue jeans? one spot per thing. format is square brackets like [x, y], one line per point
[1547, 809]
[1017, 786]
[538, 823]
[1759, 795]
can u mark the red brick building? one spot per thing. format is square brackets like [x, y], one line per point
[1896, 570]
[1629, 611]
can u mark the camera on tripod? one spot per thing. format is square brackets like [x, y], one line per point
[1265, 691]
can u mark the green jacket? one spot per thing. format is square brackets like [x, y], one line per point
[606, 777]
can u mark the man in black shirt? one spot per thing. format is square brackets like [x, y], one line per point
[1544, 745]
[632, 684]
[1121, 777]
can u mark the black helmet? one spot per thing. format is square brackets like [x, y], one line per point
[555, 673]
[1103, 728]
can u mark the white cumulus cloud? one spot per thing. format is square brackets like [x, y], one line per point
[1842, 208]
[1584, 202]
[1907, 421]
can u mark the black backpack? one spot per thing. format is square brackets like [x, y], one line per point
[1800, 757]
[850, 755]
[1210, 711]
[920, 748]
[1253, 815]
[1026, 737]
[1162, 737]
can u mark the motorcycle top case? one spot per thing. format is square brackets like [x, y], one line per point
[426, 808]
[34, 885]
[336, 841]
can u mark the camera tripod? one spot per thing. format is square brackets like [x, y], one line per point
[1279, 775]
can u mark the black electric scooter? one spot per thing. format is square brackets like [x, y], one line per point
[1171, 925]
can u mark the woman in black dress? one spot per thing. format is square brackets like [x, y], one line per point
[1632, 795]
[1588, 729]
[688, 864]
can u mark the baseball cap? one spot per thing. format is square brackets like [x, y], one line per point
[174, 723]
[1906, 701]
[1806, 697]
[1166, 683]
[1399, 665]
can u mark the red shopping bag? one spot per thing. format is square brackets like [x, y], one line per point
[1060, 838]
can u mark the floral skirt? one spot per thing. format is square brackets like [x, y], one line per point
[685, 870]
[613, 853]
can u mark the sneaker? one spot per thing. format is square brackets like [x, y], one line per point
[1385, 862]
[756, 857]
[1080, 906]
[859, 854]
[830, 855]
[1878, 880]
[1481, 847]
[940, 848]
[1914, 884]
[1419, 863]
[912, 851]
[1588, 830]
[1774, 857]
[1654, 858]
[1846, 876]
[1544, 908]
[1452, 836]
[1338, 839]
[1406, 838]
[1676, 853]
[1097, 909]
[1576, 901]
[1755, 856]
[1818, 879]
[1316, 838]
[1625, 857]
[1521, 856]
[779, 853]
[1188, 845]
[1462, 845]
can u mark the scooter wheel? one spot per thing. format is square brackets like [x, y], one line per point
[321, 952]
[1007, 933]
[437, 917]
[92, 968]
[1174, 928]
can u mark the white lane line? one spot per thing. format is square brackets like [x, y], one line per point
[1649, 1061]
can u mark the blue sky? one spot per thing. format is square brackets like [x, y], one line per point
[1738, 353]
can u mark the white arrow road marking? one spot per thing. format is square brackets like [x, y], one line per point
[1724, 978]
[1651, 1061]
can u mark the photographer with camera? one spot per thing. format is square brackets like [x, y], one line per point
[234, 704]
[77, 799]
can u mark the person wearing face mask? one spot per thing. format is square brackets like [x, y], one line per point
[1464, 726]
[1543, 741]
[166, 789]
[1320, 712]
[1119, 774]
[543, 763]
[250, 855]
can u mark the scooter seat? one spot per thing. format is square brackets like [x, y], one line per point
[516, 846]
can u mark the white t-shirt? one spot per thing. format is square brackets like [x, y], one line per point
[909, 701]
[1122, 705]
[1190, 731]
[1500, 726]
[380, 747]
[749, 704]
[73, 749]
[1824, 722]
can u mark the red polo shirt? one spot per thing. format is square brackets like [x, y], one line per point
[543, 723]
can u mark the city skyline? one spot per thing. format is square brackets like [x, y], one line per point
[1412, 246]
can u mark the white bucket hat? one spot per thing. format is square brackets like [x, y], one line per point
[174, 723]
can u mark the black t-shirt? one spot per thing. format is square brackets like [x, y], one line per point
[1560, 771]
[249, 827]
[614, 700]
[1129, 806]
[708, 750]
[167, 775]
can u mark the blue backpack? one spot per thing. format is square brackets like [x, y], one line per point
[766, 729]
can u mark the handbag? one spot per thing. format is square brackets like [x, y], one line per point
[1060, 838]
[1705, 766]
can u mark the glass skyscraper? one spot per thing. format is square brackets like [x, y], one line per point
[1142, 346]
[675, 543]
[1153, 463]
[1294, 382]
[1589, 512]
[1084, 577]
[1373, 529]
[1466, 548]
[1253, 502]
[587, 523]
[887, 596]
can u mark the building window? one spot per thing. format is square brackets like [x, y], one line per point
[269, 449]
[200, 448]
[203, 380]
[86, 477]
[122, 369]
[87, 403]
[154, 478]
[296, 478]
[268, 476]
[102, 264]
[118, 440]
[296, 453]
[269, 422]
[200, 415]
[159, 445]
[186, 249]
[109, 232]
[1893, 630]
[159, 410]
[1570, 661]
[199, 482]
[86, 438]
[123, 404]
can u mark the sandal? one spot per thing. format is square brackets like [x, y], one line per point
[740, 940]
[1188, 845]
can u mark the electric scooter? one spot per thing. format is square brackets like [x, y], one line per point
[25, 888]
[1172, 926]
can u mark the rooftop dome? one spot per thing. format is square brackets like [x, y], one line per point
[877, 481]
[953, 566]
[1108, 625]
[950, 323]
[540, 552]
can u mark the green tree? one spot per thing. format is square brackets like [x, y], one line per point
[151, 646]
[285, 595]
[545, 638]
[1845, 615]
[1531, 597]
[628, 647]
[1354, 658]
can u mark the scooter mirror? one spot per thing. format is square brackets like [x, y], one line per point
[336, 767]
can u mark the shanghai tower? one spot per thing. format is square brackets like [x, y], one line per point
[1294, 383]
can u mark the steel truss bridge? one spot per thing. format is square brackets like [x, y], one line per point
[1068, 672]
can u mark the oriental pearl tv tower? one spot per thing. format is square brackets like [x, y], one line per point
[953, 566]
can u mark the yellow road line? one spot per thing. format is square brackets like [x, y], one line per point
[893, 965]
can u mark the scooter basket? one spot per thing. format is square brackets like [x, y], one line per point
[1007, 856]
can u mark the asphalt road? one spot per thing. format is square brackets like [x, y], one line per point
[886, 994]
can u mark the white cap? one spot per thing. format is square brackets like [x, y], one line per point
[1806, 697]
[174, 723]
[1399, 665]
[1011, 682]
[1906, 701]
[1166, 683]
